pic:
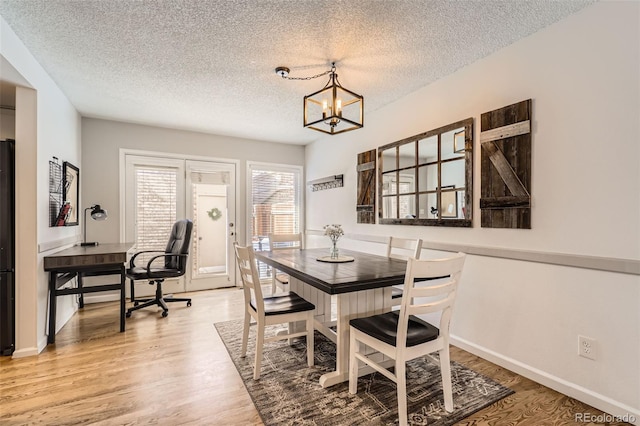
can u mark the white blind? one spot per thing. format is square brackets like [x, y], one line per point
[276, 201]
[156, 205]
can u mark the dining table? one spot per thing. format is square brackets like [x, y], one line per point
[360, 283]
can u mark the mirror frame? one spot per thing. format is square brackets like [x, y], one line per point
[467, 221]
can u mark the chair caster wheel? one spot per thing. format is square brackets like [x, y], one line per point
[188, 303]
[128, 314]
[164, 313]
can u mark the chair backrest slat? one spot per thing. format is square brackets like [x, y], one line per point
[249, 276]
[285, 241]
[430, 286]
[404, 248]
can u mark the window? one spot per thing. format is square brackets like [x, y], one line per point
[275, 202]
[153, 201]
[156, 192]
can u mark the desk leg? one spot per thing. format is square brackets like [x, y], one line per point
[51, 338]
[81, 298]
[122, 297]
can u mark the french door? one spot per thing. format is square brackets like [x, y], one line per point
[159, 191]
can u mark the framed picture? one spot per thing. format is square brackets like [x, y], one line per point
[449, 204]
[458, 142]
[70, 194]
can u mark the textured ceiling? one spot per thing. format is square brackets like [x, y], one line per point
[208, 65]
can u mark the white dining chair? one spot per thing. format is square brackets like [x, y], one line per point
[402, 248]
[276, 309]
[283, 242]
[402, 336]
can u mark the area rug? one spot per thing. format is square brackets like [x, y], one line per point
[288, 392]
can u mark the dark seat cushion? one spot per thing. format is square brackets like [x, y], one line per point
[285, 303]
[384, 327]
[139, 273]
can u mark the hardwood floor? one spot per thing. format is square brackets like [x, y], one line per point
[176, 370]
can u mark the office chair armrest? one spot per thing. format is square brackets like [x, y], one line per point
[132, 263]
[163, 255]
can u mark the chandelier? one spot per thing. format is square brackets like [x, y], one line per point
[332, 109]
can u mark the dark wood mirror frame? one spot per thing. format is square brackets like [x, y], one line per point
[419, 201]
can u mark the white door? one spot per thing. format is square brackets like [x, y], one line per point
[211, 207]
[159, 191]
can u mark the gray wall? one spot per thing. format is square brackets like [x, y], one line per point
[103, 139]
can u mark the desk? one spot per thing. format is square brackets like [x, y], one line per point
[78, 261]
[362, 288]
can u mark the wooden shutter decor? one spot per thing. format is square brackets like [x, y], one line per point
[366, 205]
[505, 140]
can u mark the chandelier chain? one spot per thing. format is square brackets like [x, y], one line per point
[308, 78]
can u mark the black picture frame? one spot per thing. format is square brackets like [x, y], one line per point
[71, 193]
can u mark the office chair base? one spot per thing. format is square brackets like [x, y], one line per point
[159, 300]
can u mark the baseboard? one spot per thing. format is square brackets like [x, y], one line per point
[98, 298]
[601, 402]
[23, 353]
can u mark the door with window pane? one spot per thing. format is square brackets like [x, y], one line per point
[211, 200]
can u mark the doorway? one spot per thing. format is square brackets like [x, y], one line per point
[159, 191]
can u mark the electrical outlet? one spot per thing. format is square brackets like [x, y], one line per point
[587, 347]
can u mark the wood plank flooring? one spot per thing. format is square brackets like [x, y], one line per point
[176, 370]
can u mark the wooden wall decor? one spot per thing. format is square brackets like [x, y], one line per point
[329, 182]
[505, 140]
[366, 168]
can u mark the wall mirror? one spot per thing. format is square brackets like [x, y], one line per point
[427, 179]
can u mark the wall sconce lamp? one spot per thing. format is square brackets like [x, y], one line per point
[332, 109]
[97, 213]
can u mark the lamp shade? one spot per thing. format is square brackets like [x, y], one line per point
[98, 213]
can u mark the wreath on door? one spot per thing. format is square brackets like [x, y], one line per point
[215, 213]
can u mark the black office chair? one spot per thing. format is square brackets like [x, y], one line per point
[175, 264]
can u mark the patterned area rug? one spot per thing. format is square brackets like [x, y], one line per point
[288, 392]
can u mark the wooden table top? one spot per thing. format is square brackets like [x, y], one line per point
[78, 256]
[367, 271]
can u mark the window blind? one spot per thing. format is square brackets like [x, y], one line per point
[275, 199]
[276, 204]
[156, 206]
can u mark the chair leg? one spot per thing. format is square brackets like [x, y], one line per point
[178, 299]
[158, 300]
[273, 280]
[445, 371]
[354, 347]
[245, 333]
[259, 345]
[310, 339]
[401, 382]
[133, 291]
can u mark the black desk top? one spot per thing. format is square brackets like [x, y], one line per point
[79, 257]
[366, 272]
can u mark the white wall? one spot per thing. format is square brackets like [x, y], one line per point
[101, 143]
[583, 76]
[46, 125]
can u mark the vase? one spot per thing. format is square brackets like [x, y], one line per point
[334, 250]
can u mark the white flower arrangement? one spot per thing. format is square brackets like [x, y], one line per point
[334, 232]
